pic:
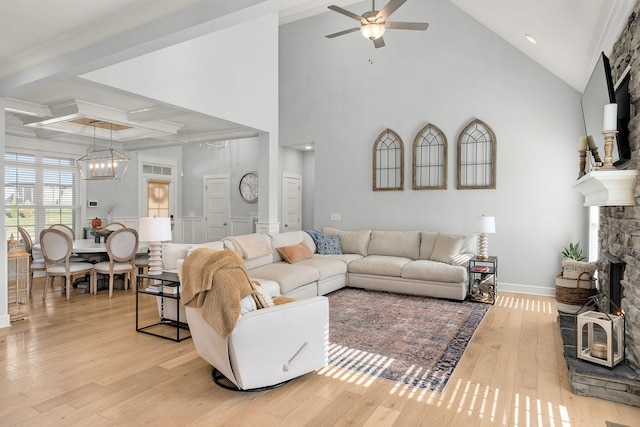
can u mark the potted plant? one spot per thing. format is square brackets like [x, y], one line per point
[573, 263]
[575, 284]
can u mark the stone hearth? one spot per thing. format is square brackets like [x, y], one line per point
[619, 232]
[620, 384]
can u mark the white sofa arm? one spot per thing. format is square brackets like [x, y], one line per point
[462, 259]
[279, 343]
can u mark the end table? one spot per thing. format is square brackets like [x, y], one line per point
[483, 279]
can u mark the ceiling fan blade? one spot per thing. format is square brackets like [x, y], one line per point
[390, 8]
[342, 33]
[420, 26]
[379, 42]
[346, 12]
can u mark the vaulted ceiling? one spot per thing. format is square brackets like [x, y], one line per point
[44, 98]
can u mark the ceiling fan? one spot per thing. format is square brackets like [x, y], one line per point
[374, 23]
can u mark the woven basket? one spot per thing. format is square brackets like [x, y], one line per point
[571, 294]
[571, 269]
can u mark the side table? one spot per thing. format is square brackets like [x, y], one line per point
[483, 279]
[165, 288]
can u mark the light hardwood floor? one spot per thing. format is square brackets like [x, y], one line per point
[82, 363]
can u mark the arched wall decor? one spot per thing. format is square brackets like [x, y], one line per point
[476, 157]
[388, 162]
[430, 159]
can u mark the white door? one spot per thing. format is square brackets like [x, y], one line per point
[291, 202]
[217, 199]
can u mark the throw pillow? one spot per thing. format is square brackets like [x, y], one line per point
[295, 253]
[314, 235]
[329, 245]
[261, 296]
[446, 247]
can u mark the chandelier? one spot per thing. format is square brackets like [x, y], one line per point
[103, 164]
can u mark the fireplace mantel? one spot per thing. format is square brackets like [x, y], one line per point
[608, 187]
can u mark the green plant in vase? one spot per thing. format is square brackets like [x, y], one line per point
[573, 252]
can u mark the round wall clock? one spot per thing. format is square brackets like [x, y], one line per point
[249, 187]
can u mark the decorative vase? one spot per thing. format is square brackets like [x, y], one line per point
[108, 219]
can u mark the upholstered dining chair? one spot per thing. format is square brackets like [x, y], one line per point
[122, 246]
[56, 248]
[114, 226]
[34, 264]
[72, 235]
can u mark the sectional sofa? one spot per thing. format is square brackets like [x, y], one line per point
[304, 265]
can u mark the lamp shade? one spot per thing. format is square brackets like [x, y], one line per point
[486, 224]
[157, 229]
[372, 31]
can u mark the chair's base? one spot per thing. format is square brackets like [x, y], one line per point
[224, 382]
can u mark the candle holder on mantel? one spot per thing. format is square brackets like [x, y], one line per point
[582, 163]
[608, 149]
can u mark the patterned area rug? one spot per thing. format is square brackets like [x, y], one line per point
[416, 341]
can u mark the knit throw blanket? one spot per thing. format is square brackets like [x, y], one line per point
[215, 281]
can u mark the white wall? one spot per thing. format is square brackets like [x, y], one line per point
[231, 74]
[456, 71]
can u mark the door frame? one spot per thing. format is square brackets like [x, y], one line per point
[286, 175]
[142, 183]
[205, 219]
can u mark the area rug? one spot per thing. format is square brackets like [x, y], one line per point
[417, 341]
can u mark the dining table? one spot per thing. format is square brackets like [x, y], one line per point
[89, 246]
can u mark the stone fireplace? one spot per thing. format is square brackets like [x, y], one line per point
[620, 226]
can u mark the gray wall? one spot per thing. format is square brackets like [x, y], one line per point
[341, 93]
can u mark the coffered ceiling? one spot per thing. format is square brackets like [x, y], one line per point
[36, 36]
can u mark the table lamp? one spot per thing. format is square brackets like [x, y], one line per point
[485, 225]
[155, 230]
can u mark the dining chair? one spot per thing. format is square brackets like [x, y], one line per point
[72, 235]
[122, 246]
[65, 229]
[142, 263]
[34, 264]
[114, 226]
[56, 248]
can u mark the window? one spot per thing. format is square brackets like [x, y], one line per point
[39, 190]
[477, 157]
[158, 198]
[430, 159]
[388, 162]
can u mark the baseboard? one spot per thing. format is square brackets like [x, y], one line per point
[526, 289]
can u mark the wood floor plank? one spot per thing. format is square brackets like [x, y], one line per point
[82, 363]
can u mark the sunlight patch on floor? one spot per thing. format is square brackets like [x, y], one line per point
[523, 302]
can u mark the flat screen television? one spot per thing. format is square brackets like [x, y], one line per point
[599, 92]
[623, 99]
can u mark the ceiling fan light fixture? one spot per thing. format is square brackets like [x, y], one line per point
[372, 31]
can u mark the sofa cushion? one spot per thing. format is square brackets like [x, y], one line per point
[328, 245]
[327, 266]
[250, 263]
[447, 247]
[404, 244]
[171, 252]
[379, 265]
[352, 242]
[345, 258]
[295, 253]
[218, 246]
[289, 238]
[288, 276]
[434, 271]
[427, 243]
